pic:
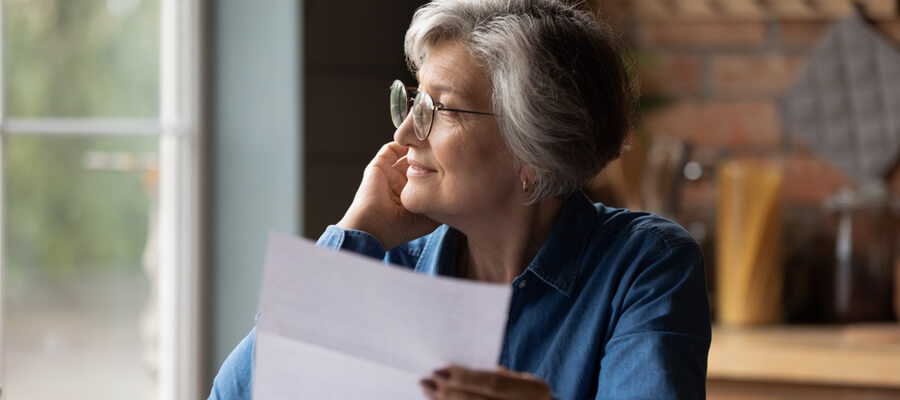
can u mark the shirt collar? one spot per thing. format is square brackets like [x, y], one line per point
[439, 253]
[558, 261]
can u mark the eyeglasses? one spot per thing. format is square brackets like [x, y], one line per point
[422, 106]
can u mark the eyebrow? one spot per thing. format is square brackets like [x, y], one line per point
[458, 94]
[438, 87]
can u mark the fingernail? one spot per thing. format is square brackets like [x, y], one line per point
[428, 384]
[443, 373]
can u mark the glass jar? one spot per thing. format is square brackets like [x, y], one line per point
[863, 271]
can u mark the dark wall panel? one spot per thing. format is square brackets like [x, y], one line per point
[352, 52]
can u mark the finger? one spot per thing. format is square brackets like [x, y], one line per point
[392, 159]
[401, 164]
[486, 382]
[394, 151]
[388, 154]
[398, 149]
[429, 388]
[499, 384]
[398, 174]
[521, 375]
[452, 394]
[386, 162]
[445, 392]
[459, 379]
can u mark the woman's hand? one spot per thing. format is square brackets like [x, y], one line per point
[376, 207]
[453, 382]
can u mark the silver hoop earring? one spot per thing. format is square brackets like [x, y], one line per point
[525, 186]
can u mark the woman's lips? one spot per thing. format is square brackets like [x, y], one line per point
[416, 169]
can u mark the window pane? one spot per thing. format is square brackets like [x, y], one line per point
[79, 271]
[82, 58]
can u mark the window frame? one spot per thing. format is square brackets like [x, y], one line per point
[179, 128]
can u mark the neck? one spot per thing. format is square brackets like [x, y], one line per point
[497, 248]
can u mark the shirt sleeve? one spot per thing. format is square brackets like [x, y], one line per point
[352, 240]
[406, 255]
[660, 342]
[235, 378]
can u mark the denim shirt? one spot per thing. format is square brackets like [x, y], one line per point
[614, 305]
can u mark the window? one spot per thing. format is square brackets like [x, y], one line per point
[99, 139]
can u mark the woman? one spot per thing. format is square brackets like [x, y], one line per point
[519, 104]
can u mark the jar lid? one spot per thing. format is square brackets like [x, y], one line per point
[871, 196]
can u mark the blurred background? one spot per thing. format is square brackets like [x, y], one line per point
[148, 146]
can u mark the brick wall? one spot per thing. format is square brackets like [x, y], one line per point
[720, 67]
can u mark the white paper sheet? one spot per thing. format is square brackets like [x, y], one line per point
[337, 325]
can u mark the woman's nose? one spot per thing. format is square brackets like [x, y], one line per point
[405, 135]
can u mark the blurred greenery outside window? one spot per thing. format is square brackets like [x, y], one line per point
[81, 106]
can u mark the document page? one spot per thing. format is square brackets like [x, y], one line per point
[338, 325]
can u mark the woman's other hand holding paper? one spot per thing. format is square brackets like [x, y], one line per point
[458, 383]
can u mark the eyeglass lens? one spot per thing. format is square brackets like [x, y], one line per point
[399, 103]
[422, 112]
[422, 109]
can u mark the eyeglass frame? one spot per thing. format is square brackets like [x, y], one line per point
[410, 103]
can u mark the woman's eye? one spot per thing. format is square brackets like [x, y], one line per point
[447, 113]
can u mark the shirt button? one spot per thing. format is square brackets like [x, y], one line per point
[522, 283]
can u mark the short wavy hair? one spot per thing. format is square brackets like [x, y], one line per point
[562, 91]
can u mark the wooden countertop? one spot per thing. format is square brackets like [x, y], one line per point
[853, 355]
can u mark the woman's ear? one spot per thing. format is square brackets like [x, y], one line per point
[527, 174]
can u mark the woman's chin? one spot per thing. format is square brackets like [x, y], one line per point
[413, 200]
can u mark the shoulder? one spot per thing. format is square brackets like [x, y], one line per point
[645, 265]
[627, 247]
[652, 232]
[235, 377]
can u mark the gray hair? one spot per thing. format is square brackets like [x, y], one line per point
[562, 94]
